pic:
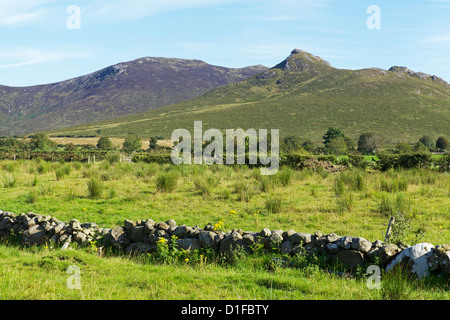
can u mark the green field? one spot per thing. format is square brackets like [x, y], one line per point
[355, 203]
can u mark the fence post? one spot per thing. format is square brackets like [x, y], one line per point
[389, 229]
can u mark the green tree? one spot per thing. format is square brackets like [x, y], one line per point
[337, 146]
[368, 142]
[428, 142]
[403, 147]
[331, 134]
[290, 143]
[131, 144]
[104, 143]
[442, 143]
[40, 141]
[153, 143]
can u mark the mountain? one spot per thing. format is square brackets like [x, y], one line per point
[118, 90]
[304, 95]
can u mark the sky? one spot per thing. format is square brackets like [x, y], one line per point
[45, 41]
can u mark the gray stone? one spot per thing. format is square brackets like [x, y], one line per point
[206, 238]
[34, 235]
[417, 257]
[129, 225]
[287, 234]
[141, 247]
[332, 248]
[32, 222]
[231, 243]
[445, 263]
[138, 234]
[188, 244]
[434, 263]
[361, 244]
[345, 242]
[378, 244]
[301, 238]
[182, 232]
[265, 232]
[388, 252]
[162, 226]
[350, 258]
[286, 247]
[149, 226]
[249, 239]
[118, 238]
[80, 238]
[276, 237]
[440, 249]
[373, 254]
[171, 223]
[332, 237]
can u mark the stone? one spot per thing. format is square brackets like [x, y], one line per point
[149, 226]
[332, 237]
[301, 238]
[445, 263]
[378, 244]
[138, 234]
[350, 258]
[345, 242]
[67, 242]
[265, 232]
[206, 238]
[276, 237]
[417, 257]
[129, 225]
[440, 249]
[80, 238]
[286, 247]
[162, 226]
[141, 247]
[182, 231]
[89, 225]
[434, 263]
[287, 234]
[34, 235]
[373, 254]
[118, 238]
[361, 244]
[388, 252]
[232, 243]
[249, 239]
[32, 222]
[332, 248]
[171, 223]
[188, 244]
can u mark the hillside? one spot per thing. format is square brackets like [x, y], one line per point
[304, 95]
[118, 90]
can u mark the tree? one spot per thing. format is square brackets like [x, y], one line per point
[331, 134]
[442, 143]
[368, 142]
[131, 144]
[403, 147]
[337, 146]
[153, 143]
[104, 143]
[289, 144]
[40, 141]
[309, 146]
[428, 142]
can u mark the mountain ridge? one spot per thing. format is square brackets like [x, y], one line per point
[117, 90]
[304, 95]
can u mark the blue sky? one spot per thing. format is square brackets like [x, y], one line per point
[37, 46]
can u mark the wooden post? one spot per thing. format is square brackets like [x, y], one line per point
[389, 229]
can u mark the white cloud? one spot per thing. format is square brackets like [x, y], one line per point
[19, 57]
[14, 12]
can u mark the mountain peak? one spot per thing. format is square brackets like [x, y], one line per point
[302, 61]
[404, 70]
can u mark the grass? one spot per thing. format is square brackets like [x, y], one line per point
[207, 194]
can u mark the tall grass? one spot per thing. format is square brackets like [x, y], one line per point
[166, 182]
[95, 188]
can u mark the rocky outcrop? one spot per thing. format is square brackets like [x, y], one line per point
[143, 236]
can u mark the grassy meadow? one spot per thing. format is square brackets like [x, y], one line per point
[354, 202]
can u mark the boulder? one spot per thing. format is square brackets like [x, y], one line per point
[417, 258]
[129, 225]
[361, 244]
[388, 252]
[301, 238]
[265, 232]
[445, 263]
[345, 242]
[231, 243]
[206, 238]
[141, 247]
[332, 248]
[188, 244]
[286, 247]
[34, 235]
[276, 237]
[350, 258]
[138, 234]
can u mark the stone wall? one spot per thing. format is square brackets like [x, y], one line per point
[142, 237]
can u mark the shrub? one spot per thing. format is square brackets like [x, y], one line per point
[62, 171]
[95, 188]
[166, 182]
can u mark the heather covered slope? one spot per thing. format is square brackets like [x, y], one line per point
[118, 90]
[304, 95]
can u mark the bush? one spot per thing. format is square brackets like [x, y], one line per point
[62, 171]
[166, 182]
[95, 188]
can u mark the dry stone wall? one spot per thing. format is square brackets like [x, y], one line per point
[142, 236]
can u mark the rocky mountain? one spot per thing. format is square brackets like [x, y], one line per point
[304, 95]
[118, 90]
